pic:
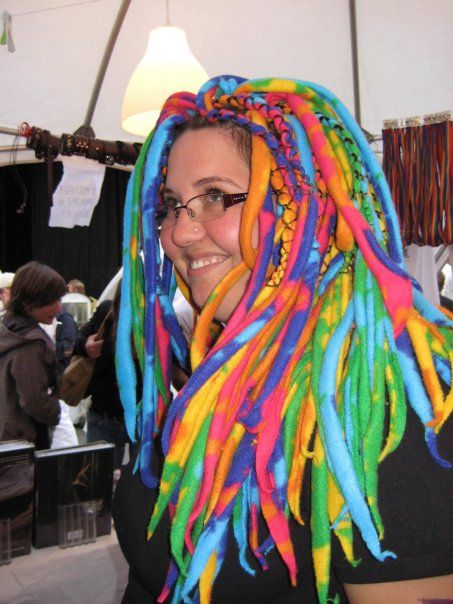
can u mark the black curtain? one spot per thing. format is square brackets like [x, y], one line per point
[91, 254]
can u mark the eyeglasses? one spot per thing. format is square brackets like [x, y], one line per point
[201, 208]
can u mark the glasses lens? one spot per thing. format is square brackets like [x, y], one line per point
[201, 208]
[206, 207]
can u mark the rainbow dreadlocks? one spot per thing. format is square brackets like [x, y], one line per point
[330, 343]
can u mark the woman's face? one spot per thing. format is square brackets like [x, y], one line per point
[201, 161]
[46, 314]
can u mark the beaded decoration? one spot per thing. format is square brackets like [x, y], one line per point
[329, 345]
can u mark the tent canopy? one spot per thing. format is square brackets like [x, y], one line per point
[405, 54]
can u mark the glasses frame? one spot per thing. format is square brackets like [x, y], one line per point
[228, 200]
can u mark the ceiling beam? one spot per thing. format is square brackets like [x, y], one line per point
[86, 129]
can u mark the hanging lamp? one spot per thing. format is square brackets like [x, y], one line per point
[168, 66]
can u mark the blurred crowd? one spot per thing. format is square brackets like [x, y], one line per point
[44, 323]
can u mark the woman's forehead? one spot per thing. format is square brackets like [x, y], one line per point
[205, 153]
[203, 139]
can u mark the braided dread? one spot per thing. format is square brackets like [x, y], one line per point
[319, 361]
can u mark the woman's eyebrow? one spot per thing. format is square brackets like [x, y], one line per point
[206, 180]
[168, 190]
[211, 179]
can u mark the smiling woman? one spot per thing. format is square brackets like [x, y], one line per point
[203, 252]
[283, 471]
[28, 366]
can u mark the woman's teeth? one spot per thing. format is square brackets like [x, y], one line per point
[194, 264]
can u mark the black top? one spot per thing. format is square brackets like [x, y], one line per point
[65, 336]
[416, 503]
[103, 386]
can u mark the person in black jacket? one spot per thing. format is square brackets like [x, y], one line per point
[105, 417]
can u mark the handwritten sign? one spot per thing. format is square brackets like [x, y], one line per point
[77, 194]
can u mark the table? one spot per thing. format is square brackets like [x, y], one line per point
[94, 573]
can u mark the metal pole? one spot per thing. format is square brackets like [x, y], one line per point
[355, 60]
[10, 148]
[103, 68]
[13, 131]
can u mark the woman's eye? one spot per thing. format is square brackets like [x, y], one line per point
[214, 196]
[171, 202]
[161, 213]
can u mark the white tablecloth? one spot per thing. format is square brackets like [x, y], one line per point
[95, 573]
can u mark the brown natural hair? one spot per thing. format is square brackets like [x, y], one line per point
[35, 285]
[76, 286]
[241, 137]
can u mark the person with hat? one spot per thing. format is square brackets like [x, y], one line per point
[6, 280]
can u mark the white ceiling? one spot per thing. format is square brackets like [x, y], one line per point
[405, 52]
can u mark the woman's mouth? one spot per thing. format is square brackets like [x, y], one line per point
[197, 264]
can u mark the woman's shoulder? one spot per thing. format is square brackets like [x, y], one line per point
[415, 498]
[18, 331]
[103, 308]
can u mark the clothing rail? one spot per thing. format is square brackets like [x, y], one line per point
[48, 146]
[418, 164]
[430, 118]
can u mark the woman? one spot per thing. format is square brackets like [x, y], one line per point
[105, 416]
[28, 366]
[308, 456]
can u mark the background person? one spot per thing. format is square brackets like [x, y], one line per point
[6, 280]
[105, 415]
[76, 286]
[77, 303]
[63, 332]
[308, 456]
[28, 398]
[445, 301]
[66, 333]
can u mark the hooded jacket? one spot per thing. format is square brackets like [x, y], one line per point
[28, 398]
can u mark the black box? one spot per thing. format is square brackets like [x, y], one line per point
[16, 497]
[73, 494]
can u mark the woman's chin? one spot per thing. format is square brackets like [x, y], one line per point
[221, 314]
[201, 294]
[225, 308]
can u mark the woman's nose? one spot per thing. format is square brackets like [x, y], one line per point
[186, 231]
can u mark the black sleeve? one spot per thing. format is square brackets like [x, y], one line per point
[416, 503]
[66, 336]
[91, 327]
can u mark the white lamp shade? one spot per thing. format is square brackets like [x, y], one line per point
[167, 67]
